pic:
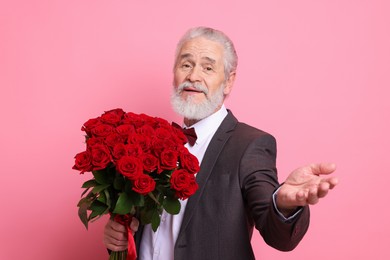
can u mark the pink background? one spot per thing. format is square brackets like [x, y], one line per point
[313, 73]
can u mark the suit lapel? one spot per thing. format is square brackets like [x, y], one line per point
[215, 147]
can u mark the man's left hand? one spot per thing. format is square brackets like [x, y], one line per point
[305, 186]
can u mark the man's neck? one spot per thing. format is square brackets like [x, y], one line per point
[190, 122]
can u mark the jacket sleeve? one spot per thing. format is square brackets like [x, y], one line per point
[258, 180]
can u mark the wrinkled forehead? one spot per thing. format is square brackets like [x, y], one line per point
[201, 49]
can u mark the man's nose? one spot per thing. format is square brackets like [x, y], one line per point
[194, 75]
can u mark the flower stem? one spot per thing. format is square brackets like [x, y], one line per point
[150, 194]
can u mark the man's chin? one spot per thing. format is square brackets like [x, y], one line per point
[195, 114]
[192, 109]
[193, 100]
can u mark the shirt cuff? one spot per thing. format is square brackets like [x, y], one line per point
[288, 219]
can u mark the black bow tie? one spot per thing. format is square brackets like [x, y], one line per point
[189, 133]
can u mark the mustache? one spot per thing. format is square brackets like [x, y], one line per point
[197, 86]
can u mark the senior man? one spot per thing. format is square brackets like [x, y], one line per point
[238, 185]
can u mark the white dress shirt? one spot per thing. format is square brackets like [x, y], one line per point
[160, 245]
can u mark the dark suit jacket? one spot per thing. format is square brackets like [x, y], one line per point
[236, 182]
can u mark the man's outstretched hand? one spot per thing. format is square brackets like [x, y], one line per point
[305, 186]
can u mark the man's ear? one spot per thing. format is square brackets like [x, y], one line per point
[229, 83]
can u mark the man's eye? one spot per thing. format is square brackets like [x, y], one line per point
[209, 68]
[186, 65]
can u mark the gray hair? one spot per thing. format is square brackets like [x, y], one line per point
[230, 55]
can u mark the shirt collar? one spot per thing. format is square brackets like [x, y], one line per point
[210, 124]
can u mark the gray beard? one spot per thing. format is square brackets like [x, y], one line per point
[190, 110]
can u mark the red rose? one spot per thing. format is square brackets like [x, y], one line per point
[178, 135]
[168, 159]
[125, 129]
[171, 144]
[150, 162]
[130, 166]
[100, 156]
[133, 119]
[119, 151]
[160, 122]
[142, 140]
[144, 184]
[183, 183]
[118, 111]
[90, 124]
[113, 139]
[146, 130]
[94, 140]
[159, 145]
[190, 190]
[162, 133]
[102, 130]
[179, 179]
[112, 117]
[83, 162]
[134, 150]
[189, 162]
[147, 120]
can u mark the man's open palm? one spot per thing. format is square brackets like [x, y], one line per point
[306, 185]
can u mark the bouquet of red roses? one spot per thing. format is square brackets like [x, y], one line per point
[140, 166]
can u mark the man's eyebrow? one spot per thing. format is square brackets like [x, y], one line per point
[185, 56]
[209, 60]
[189, 55]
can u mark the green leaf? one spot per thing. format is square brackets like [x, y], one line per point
[101, 176]
[99, 188]
[87, 199]
[98, 208]
[119, 181]
[102, 197]
[155, 220]
[89, 184]
[123, 205]
[82, 202]
[151, 195]
[85, 205]
[137, 199]
[128, 186]
[85, 191]
[146, 216]
[83, 215]
[171, 205]
[108, 198]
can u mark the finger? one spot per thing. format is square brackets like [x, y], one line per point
[117, 226]
[114, 247]
[134, 225]
[312, 196]
[117, 236]
[323, 168]
[114, 244]
[111, 232]
[323, 189]
[333, 182]
[301, 198]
